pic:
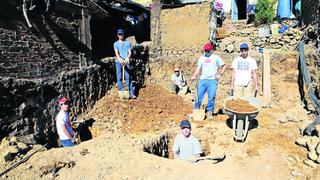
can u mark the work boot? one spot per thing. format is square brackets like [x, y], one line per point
[133, 97]
[210, 116]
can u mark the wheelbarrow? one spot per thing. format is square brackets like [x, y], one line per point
[241, 120]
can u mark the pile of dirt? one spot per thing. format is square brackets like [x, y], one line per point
[154, 110]
[239, 105]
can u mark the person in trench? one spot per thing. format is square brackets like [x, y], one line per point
[122, 50]
[186, 146]
[63, 124]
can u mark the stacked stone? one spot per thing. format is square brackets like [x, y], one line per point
[285, 41]
[312, 143]
[11, 148]
[178, 53]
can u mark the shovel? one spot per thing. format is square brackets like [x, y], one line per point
[124, 94]
[198, 114]
[215, 159]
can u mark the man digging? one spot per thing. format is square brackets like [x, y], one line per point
[179, 82]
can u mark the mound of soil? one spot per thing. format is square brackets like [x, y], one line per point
[240, 105]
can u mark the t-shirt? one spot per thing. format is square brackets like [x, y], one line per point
[178, 80]
[243, 70]
[186, 147]
[122, 48]
[209, 66]
[63, 118]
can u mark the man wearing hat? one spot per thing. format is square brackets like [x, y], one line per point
[212, 68]
[186, 146]
[63, 124]
[244, 68]
[122, 49]
[179, 82]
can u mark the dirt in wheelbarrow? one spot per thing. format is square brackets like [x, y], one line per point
[239, 105]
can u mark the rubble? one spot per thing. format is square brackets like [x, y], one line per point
[312, 143]
[10, 148]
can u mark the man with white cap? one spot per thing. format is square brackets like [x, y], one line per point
[244, 69]
[179, 82]
[64, 129]
[186, 146]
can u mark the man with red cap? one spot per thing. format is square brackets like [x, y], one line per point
[64, 129]
[211, 67]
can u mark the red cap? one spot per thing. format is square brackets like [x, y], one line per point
[208, 46]
[63, 100]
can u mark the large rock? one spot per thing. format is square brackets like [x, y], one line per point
[313, 155]
[312, 144]
[10, 153]
[302, 141]
[23, 148]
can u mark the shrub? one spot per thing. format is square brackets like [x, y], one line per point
[265, 11]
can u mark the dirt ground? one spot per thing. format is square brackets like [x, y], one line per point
[123, 128]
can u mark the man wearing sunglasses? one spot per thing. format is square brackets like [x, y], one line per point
[244, 68]
[211, 67]
[64, 129]
[179, 82]
[122, 50]
[186, 146]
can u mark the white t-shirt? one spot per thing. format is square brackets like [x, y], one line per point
[62, 118]
[186, 147]
[243, 70]
[178, 80]
[209, 66]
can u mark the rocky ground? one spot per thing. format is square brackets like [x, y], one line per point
[123, 130]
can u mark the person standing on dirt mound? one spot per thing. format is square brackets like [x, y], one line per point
[244, 68]
[179, 82]
[212, 68]
[122, 50]
[186, 146]
[63, 124]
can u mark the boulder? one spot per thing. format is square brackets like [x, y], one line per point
[10, 153]
[312, 144]
[23, 148]
[302, 141]
[312, 155]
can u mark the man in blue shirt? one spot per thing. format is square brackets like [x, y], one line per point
[208, 64]
[122, 49]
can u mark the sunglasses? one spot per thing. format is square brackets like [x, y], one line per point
[120, 34]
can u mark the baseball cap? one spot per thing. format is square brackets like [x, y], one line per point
[120, 31]
[207, 46]
[63, 100]
[244, 46]
[185, 123]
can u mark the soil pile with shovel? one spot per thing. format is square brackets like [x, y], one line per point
[239, 105]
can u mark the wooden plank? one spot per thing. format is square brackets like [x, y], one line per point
[266, 88]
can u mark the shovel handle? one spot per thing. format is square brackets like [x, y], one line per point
[122, 73]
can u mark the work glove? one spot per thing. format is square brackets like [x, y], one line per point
[126, 60]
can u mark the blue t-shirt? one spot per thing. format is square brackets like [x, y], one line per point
[122, 48]
[209, 66]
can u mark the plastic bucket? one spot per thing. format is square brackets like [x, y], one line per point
[274, 28]
[284, 8]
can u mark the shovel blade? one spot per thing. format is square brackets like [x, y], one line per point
[123, 94]
[199, 114]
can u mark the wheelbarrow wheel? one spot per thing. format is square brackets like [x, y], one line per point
[239, 130]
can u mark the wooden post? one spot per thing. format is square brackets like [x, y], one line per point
[85, 36]
[266, 77]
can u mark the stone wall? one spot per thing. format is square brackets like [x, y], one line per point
[28, 107]
[48, 48]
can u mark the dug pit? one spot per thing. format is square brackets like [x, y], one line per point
[162, 146]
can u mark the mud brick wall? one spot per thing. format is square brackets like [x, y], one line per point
[47, 49]
[28, 107]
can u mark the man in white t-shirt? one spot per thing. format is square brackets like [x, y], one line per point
[179, 82]
[64, 129]
[244, 68]
[212, 68]
[186, 146]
